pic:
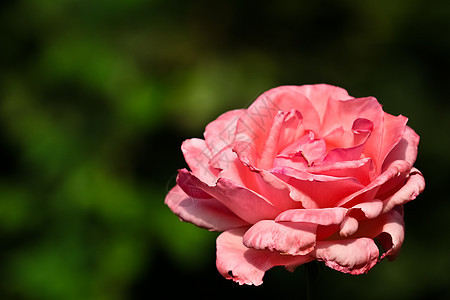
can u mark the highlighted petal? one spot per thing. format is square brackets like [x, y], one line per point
[323, 216]
[348, 226]
[197, 155]
[285, 237]
[220, 133]
[371, 209]
[321, 94]
[393, 132]
[406, 149]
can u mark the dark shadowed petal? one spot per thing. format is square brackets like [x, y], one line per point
[388, 229]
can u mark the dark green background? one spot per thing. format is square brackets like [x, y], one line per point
[97, 96]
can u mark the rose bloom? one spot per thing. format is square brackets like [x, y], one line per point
[305, 173]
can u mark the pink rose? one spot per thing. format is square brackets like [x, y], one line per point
[305, 173]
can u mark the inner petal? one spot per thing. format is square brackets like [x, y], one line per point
[305, 152]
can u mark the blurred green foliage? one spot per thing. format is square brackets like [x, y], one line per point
[97, 96]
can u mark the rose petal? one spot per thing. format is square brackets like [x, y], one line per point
[344, 113]
[388, 229]
[220, 133]
[286, 127]
[361, 169]
[197, 156]
[292, 129]
[406, 148]
[348, 226]
[361, 211]
[371, 209]
[394, 227]
[321, 94]
[344, 154]
[205, 213]
[352, 147]
[415, 184]
[395, 170]
[253, 127]
[245, 265]
[309, 148]
[262, 182]
[392, 132]
[222, 160]
[354, 256]
[284, 237]
[320, 191]
[270, 149]
[321, 216]
[334, 138]
[253, 209]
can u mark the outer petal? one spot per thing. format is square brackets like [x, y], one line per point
[388, 229]
[205, 213]
[197, 155]
[388, 180]
[406, 149]
[415, 184]
[245, 203]
[220, 133]
[354, 256]
[393, 130]
[320, 94]
[284, 237]
[392, 235]
[361, 211]
[247, 266]
[371, 209]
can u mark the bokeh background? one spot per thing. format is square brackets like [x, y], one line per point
[96, 98]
